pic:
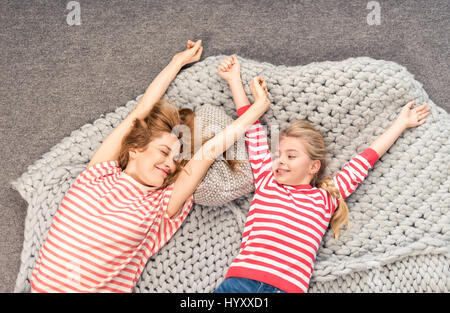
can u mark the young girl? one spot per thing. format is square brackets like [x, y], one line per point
[134, 194]
[294, 203]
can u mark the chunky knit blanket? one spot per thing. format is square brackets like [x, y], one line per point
[400, 228]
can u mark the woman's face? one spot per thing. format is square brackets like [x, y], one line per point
[151, 166]
[291, 163]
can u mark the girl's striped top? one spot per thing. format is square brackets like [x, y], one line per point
[285, 224]
[104, 231]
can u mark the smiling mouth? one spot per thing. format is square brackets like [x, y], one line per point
[165, 173]
[281, 172]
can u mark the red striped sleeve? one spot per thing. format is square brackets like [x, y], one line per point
[258, 151]
[354, 172]
[258, 148]
[243, 109]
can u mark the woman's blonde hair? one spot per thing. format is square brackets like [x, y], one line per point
[163, 118]
[315, 147]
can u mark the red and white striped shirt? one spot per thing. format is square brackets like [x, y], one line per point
[106, 228]
[285, 224]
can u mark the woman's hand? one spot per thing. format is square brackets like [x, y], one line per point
[230, 69]
[110, 148]
[259, 91]
[192, 53]
[412, 117]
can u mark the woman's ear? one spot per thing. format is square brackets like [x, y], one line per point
[132, 153]
[315, 167]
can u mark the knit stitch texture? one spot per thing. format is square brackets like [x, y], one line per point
[400, 227]
[221, 184]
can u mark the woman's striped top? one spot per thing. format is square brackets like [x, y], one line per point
[104, 231]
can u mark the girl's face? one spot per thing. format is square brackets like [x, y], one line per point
[292, 165]
[151, 166]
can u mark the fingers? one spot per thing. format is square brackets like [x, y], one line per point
[259, 91]
[196, 45]
[410, 104]
[423, 115]
[423, 107]
[418, 109]
[421, 112]
[262, 83]
[258, 82]
[198, 54]
[225, 66]
[420, 122]
[192, 53]
[227, 63]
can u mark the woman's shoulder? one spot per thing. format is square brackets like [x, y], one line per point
[98, 172]
[104, 168]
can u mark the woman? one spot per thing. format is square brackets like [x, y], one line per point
[134, 194]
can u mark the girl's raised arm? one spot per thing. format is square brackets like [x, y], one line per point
[256, 139]
[230, 70]
[407, 118]
[110, 148]
[355, 171]
[197, 167]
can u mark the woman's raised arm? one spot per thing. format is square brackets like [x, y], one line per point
[197, 167]
[110, 148]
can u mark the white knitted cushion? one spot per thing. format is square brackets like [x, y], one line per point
[400, 225]
[221, 184]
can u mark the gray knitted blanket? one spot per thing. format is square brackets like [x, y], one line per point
[399, 236]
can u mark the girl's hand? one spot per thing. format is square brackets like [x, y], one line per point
[407, 118]
[192, 53]
[230, 69]
[259, 91]
[412, 117]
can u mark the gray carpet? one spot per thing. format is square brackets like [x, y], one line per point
[56, 78]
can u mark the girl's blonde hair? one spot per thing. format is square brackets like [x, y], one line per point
[163, 118]
[315, 147]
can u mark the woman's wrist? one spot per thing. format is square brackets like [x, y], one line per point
[260, 106]
[177, 62]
